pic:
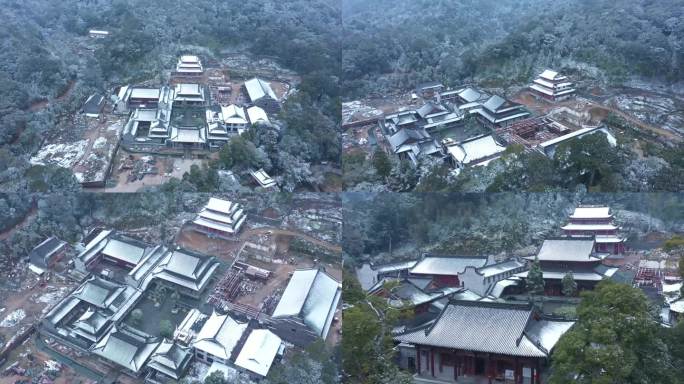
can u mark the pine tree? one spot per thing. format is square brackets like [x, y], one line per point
[569, 284]
[535, 279]
[382, 163]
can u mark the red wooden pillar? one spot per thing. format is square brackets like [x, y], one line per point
[419, 357]
[432, 362]
[537, 372]
[455, 360]
[488, 368]
[516, 372]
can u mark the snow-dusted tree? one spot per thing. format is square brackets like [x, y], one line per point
[535, 280]
[569, 284]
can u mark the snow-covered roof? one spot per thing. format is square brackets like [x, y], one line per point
[672, 288]
[188, 89]
[263, 178]
[171, 359]
[188, 269]
[186, 330]
[567, 249]
[501, 285]
[145, 93]
[257, 115]
[189, 59]
[547, 332]
[609, 239]
[233, 114]
[591, 212]
[470, 95]
[259, 351]
[447, 265]
[579, 133]
[549, 74]
[126, 348]
[589, 227]
[257, 89]
[219, 205]
[385, 268]
[558, 275]
[98, 292]
[221, 215]
[36, 269]
[219, 335]
[471, 150]
[494, 103]
[125, 250]
[499, 268]
[195, 136]
[677, 306]
[42, 253]
[489, 327]
[313, 295]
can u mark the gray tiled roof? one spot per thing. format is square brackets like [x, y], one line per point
[576, 249]
[470, 95]
[406, 135]
[494, 103]
[481, 327]
[313, 295]
[97, 292]
[189, 269]
[447, 265]
[41, 254]
[170, 359]
[126, 348]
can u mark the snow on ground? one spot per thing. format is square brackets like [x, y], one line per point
[13, 319]
[116, 127]
[357, 110]
[653, 109]
[51, 298]
[52, 365]
[64, 155]
[100, 142]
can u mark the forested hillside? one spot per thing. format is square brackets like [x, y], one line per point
[391, 44]
[395, 226]
[48, 67]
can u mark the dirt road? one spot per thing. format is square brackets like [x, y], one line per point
[633, 120]
[29, 216]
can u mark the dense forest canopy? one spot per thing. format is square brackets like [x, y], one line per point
[505, 42]
[482, 223]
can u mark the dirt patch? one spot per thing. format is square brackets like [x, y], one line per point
[278, 280]
[280, 88]
[598, 114]
[41, 104]
[200, 242]
[31, 214]
[168, 167]
[270, 213]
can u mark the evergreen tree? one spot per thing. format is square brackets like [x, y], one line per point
[166, 329]
[569, 284]
[535, 279]
[382, 163]
[216, 377]
[137, 316]
[617, 339]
